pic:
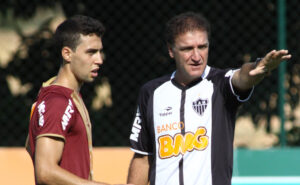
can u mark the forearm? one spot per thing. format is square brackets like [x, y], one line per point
[59, 176]
[138, 170]
[47, 170]
[242, 80]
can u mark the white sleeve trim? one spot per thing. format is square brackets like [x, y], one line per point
[140, 152]
[230, 73]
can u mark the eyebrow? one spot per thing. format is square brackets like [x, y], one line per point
[191, 47]
[94, 50]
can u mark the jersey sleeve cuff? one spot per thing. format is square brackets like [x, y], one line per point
[239, 98]
[140, 152]
[51, 135]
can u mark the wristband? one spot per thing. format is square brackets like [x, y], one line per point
[266, 70]
[257, 61]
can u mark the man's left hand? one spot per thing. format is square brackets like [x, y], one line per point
[270, 62]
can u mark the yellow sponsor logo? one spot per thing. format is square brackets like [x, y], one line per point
[179, 144]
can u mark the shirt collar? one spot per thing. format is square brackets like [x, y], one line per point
[203, 76]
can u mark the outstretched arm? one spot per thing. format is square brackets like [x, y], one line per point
[251, 74]
[138, 170]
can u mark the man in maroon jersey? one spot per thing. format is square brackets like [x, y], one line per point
[60, 141]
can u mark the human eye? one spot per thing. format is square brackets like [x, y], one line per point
[203, 46]
[102, 53]
[91, 51]
[186, 49]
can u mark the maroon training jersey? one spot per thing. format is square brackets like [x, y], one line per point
[55, 114]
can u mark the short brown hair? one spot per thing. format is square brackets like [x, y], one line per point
[182, 23]
[68, 32]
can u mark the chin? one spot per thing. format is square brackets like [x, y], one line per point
[92, 80]
[89, 80]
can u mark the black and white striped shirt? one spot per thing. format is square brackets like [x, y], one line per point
[188, 130]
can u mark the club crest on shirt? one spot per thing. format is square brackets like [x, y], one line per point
[200, 105]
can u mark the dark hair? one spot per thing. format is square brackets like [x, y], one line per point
[68, 32]
[183, 23]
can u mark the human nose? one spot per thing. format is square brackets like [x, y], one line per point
[99, 59]
[196, 55]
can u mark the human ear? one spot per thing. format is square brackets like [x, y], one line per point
[66, 53]
[170, 50]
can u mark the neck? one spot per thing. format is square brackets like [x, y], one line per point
[180, 79]
[67, 79]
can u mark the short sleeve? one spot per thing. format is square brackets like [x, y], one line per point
[55, 116]
[140, 133]
[231, 95]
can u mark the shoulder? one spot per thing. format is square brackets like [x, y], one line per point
[52, 105]
[147, 90]
[151, 85]
[217, 73]
[55, 95]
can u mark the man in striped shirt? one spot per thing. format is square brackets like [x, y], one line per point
[184, 126]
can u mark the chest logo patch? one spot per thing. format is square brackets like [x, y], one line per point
[200, 105]
[166, 111]
[180, 144]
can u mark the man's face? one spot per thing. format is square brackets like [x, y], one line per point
[190, 52]
[87, 58]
